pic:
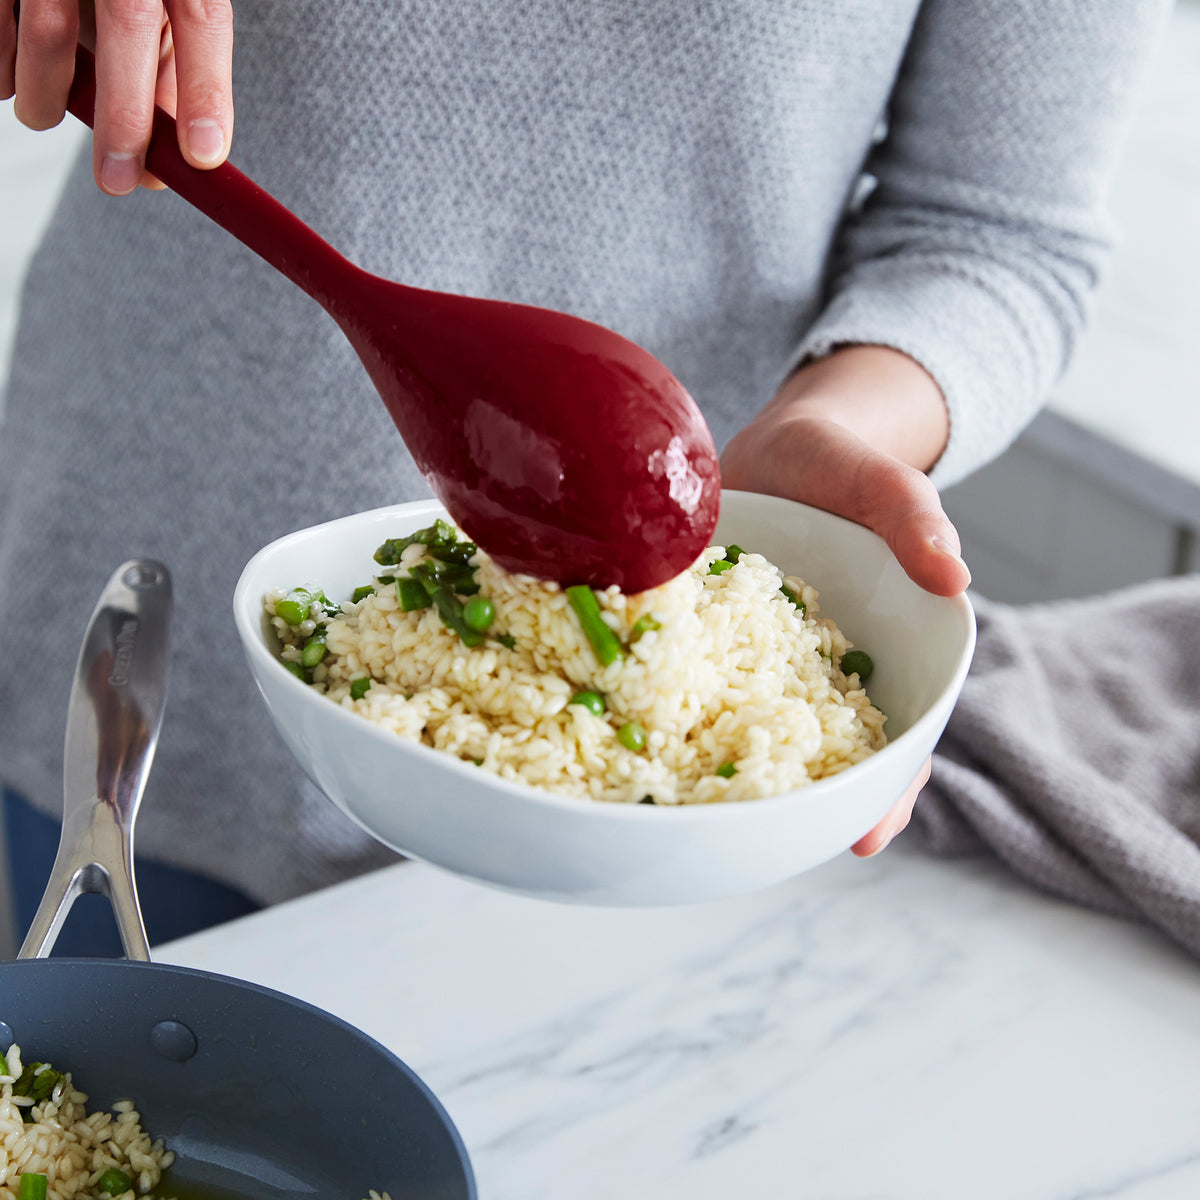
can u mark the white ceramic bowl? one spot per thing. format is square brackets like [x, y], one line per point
[431, 806]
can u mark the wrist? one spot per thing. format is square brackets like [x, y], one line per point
[883, 396]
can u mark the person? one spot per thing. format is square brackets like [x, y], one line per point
[882, 219]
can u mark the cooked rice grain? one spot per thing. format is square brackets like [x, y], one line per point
[735, 674]
[70, 1146]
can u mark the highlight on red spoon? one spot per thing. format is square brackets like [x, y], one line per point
[576, 455]
[562, 448]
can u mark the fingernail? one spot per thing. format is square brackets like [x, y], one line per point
[206, 140]
[119, 173]
[881, 847]
[942, 546]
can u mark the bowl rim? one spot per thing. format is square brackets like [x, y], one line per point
[247, 612]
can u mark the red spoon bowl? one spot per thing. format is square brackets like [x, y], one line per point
[562, 448]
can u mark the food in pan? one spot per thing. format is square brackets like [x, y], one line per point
[723, 684]
[53, 1148]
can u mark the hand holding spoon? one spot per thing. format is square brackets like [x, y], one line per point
[563, 449]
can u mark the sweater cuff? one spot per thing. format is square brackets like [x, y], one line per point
[971, 331]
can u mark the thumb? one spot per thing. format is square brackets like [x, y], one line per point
[819, 462]
[904, 508]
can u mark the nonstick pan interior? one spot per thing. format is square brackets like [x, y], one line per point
[259, 1094]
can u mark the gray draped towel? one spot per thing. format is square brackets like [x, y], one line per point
[1074, 752]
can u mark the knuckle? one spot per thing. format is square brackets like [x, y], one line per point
[203, 99]
[49, 28]
[127, 124]
[131, 17]
[206, 14]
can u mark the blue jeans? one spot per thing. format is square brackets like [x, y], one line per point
[174, 902]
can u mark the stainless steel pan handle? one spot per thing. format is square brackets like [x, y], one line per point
[112, 728]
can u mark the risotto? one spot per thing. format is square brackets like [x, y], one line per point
[725, 683]
[46, 1131]
[52, 1148]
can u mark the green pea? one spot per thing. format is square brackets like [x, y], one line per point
[632, 736]
[728, 769]
[720, 567]
[478, 613]
[114, 1182]
[857, 662]
[359, 687]
[592, 701]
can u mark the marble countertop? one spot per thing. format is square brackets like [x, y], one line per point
[904, 1028]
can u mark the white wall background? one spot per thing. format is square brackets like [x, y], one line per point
[1137, 378]
[32, 166]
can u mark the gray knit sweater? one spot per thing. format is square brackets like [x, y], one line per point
[688, 172]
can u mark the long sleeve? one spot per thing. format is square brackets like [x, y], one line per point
[984, 234]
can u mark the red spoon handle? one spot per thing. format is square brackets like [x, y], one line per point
[233, 200]
[561, 447]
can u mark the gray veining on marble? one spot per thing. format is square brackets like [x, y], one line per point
[904, 1027]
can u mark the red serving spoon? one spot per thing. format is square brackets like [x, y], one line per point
[563, 449]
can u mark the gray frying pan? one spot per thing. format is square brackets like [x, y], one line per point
[259, 1094]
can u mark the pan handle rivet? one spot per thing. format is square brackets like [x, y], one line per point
[173, 1040]
[142, 575]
